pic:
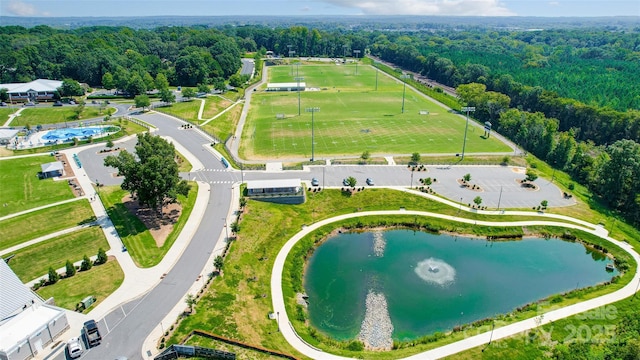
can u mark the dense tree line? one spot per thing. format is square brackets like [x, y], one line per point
[127, 59]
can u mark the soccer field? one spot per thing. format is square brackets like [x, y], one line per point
[353, 117]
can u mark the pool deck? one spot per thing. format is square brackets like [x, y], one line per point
[37, 139]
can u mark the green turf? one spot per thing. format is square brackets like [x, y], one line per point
[353, 117]
[139, 241]
[38, 223]
[22, 189]
[98, 282]
[4, 114]
[54, 115]
[35, 260]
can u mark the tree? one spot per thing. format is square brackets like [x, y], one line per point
[235, 80]
[142, 101]
[70, 87]
[218, 263]
[466, 177]
[415, 158]
[219, 84]
[203, 88]
[86, 264]
[109, 144]
[531, 175]
[191, 301]
[152, 175]
[70, 269]
[188, 93]
[53, 276]
[352, 181]
[107, 81]
[544, 204]
[161, 82]
[477, 200]
[167, 96]
[136, 85]
[365, 156]
[4, 94]
[102, 257]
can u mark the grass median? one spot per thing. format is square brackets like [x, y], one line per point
[100, 282]
[34, 261]
[35, 224]
[134, 234]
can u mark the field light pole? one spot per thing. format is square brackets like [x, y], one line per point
[314, 110]
[226, 229]
[468, 109]
[356, 52]
[404, 78]
[298, 79]
[499, 198]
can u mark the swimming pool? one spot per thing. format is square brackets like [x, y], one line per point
[67, 134]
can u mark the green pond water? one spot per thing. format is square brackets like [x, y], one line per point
[435, 282]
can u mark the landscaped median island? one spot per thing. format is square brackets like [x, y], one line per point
[237, 303]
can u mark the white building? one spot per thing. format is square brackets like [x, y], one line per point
[27, 323]
[292, 86]
[37, 90]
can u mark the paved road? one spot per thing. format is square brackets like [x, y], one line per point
[126, 327]
[248, 66]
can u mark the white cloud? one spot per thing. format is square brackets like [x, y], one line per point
[427, 7]
[19, 8]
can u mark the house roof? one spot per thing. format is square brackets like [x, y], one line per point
[52, 166]
[35, 85]
[8, 133]
[275, 183]
[15, 295]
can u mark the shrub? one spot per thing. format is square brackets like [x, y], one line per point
[70, 269]
[355, 345]
[53, 276]
[86, 263]
[102, 257]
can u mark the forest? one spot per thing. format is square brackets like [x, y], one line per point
[569, 96]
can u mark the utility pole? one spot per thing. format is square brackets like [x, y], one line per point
[314, 110]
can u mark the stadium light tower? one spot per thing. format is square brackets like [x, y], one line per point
[468, 109]
[298, 79]
[313, 110]
[404, 78]
[291, 52]
[356, 52]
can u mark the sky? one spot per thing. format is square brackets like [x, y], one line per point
[98, 8]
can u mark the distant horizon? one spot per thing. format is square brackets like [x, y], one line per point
[472, 8]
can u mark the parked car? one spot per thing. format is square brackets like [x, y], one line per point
[315, 182]
[74, 347]
[72, 102]
[29, 104]
[345, 182]
[3, 103]
[370, 182]
[57, 103]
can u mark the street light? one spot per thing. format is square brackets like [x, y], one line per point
[404, 78]
[298, 79]
[468, 109]
[314, 110]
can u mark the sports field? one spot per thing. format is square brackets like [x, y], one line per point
[353, 117]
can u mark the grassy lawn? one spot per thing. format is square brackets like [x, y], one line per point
[22, 189]
[32, 225]
[237, 304]
[134, 234]
[35, 260]
[187, 110]
[225, 125]
[4, 114]
[241, 353]
[353, 117]
[214, 105]
[54, 115]
[127, 128]
[99, 282]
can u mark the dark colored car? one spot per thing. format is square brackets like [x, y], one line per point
[57, 103]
